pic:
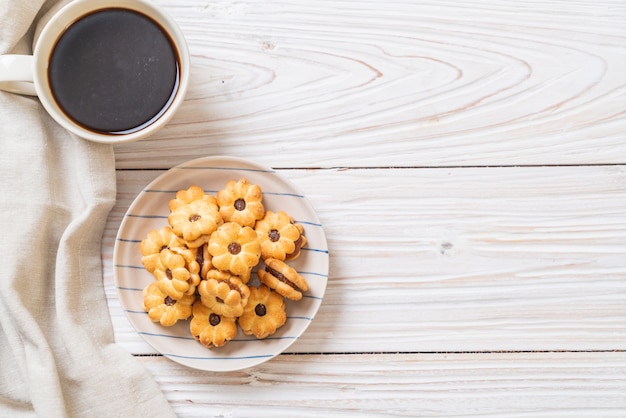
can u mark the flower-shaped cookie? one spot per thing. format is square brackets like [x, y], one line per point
[172, 275]
[158, 240]
[234, 248]
[241, 202]
[223, 293]
[211, 329]
[184, 197]
[163, 309]
[195, 221]
[279, 236]
[264, 313]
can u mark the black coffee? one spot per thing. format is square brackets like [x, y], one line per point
[114, 71]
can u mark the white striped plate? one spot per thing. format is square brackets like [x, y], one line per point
[150, 210]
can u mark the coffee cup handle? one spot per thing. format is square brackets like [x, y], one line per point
[16, 74]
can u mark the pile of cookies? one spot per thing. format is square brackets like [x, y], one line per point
[202, 262]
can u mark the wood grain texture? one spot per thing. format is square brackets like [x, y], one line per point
[449, 385]
[440, 260]
[399, 83]
[468, 163]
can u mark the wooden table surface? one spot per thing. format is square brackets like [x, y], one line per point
[468, 163]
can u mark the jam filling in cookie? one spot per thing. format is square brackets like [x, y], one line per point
[234, 248]
[200, 255]
[299, 243]
[240, 204]
[280, 277]
[214, 319]
[260, 309]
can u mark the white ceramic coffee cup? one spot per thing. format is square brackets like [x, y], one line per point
[28, 74]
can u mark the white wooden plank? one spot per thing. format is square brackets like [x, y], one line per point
[449, 385]
[517, 273]
[397, 83]
[439, 260]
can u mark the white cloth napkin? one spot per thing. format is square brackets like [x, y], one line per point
[57, 353]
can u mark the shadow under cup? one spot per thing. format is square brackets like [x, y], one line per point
[114, 74]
